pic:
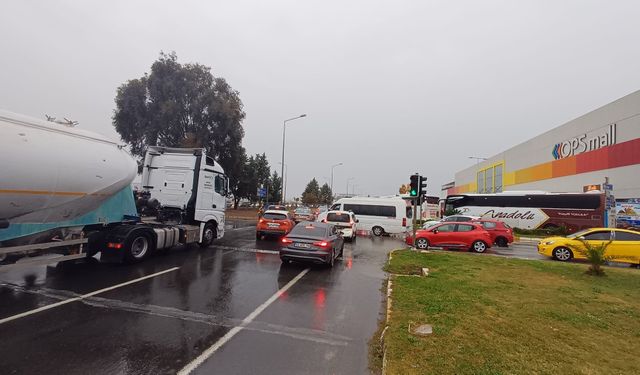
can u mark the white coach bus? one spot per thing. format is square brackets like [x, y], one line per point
[378, 215]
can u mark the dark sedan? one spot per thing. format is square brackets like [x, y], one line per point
[313, 242]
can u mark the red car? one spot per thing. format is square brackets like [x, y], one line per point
[469, 235]
[501, 233]
[274, 222]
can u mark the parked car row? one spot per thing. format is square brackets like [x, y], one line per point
[501, 234]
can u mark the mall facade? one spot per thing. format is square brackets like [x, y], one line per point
[574, 157]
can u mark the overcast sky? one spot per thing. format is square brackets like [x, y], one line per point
[390, 87]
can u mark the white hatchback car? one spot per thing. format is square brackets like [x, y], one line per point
[344, 221]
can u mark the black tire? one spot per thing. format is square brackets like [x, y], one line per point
[258, 236]
[353, 238]
[285, 261]
[209, 233]
[562, 254]
[479, 246]
[341, 251]
[422, 243]
[502, 242]
[137, 247]
[377, 231]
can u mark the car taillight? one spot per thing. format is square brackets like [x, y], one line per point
[321, 243]
[404, 221]
[285, 240]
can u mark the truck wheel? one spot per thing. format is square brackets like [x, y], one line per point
[137, 247]
[208, 235]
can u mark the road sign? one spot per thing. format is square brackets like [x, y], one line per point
[606, 187]
[262, 192]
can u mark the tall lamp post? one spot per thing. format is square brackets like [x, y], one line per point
[332, 167]
[284, 131]
[284, 179]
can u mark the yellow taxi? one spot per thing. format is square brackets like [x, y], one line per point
[624, 247]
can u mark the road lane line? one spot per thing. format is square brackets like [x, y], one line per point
[235, 330]
[53, 305]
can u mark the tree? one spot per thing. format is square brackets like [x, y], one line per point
[275, 188]
[238, 180]
[311, 194]
[182, 104]
[325, 194]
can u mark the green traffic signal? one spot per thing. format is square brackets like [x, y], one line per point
[413, 193]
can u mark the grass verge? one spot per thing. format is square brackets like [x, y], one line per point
[493, 315]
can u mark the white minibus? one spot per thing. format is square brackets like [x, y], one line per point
[378, 215]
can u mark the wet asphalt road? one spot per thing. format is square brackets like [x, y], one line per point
[215, 310]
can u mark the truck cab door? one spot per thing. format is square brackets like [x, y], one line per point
[211, 196]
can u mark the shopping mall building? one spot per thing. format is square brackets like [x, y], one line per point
[573, 157]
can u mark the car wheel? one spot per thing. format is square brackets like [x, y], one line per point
[341, 251]
[353, 238]
[479, 246]
[258, 236]
[377, 231]
[285, 261]
[562, 254]
[502, 242]
[208, 235]
[422, 243]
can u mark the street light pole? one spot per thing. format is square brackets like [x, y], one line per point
[284, 130]
[332, 167]
[284, 179]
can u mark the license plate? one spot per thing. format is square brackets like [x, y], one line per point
[273, 225]
[302, 245]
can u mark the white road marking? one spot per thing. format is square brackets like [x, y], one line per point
[53, 305]
[241, 228]
[247, 250]
[235, 330]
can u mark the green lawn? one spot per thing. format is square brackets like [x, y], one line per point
[494, 315]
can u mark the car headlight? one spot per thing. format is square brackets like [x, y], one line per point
[549, 242]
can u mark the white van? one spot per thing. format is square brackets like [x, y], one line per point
[378, 215]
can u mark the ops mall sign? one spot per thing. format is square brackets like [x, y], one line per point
[584, 143]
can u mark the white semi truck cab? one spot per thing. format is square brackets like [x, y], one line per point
[185, 186]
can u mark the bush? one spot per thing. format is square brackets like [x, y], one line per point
[545, 232]
[595, 254]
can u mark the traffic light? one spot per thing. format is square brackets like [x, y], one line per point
[422, 186]
[415, 184]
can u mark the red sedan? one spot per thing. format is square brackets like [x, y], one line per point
[471, 236]
[501, 233]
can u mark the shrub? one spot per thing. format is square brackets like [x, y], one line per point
[595, 254]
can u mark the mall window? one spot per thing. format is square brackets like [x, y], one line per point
[480, 182]
[490, 180]
[498, 178]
